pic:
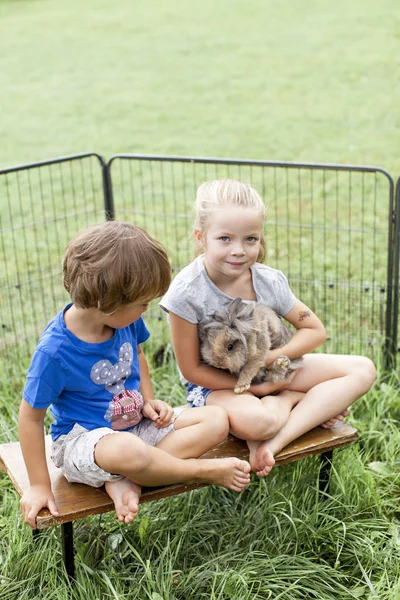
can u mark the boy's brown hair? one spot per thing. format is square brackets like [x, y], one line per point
[113, 264]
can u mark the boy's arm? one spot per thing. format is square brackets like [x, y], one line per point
[156, 410]
[31, 435]
[309, 335]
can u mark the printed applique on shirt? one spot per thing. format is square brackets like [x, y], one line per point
[125, 408]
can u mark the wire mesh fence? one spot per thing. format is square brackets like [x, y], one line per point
[329, 228]
[41, 207]
[396, 274]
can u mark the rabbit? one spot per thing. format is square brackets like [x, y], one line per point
[239, 338]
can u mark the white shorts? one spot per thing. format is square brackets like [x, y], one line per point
[73, 453]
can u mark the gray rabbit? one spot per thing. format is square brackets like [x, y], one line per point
[239, 338]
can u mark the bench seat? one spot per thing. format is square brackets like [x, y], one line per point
[75, 500]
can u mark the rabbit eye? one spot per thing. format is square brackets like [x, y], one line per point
[229, 347]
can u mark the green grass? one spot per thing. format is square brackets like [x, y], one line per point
[291, 81]
[284, 80]
[288, 80]
[277, 539]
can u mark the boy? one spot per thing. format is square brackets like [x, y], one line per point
[89, 368]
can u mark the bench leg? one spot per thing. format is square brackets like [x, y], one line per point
[325, 472]
[67, 541]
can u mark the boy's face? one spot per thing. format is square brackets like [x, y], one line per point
[126, 315]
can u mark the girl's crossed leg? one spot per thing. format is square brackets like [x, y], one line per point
[195, 432]
[326, 385]
[331, 382]
[256, 419]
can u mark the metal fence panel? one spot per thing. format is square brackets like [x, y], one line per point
[329, 229]
[42, 205]
[396, 273]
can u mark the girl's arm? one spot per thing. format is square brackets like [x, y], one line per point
[31, 435]
[309, 335]
[158, 411]
[185, 341]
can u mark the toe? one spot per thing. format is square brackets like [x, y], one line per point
[263, 472]
[245, 466]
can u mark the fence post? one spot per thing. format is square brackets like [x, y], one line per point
[108, 192]
[396, 274]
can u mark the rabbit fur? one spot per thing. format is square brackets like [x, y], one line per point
[239, 338]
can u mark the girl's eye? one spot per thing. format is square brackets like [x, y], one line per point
[252, 239]
[224, 238]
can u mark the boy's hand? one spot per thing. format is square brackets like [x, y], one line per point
[159, 412]
[34, 499]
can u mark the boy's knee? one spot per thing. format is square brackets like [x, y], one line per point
[131, 452]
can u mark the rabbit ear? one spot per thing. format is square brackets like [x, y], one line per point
[229, 313]
[235, 304]
[208, 329]
[237, 316]
[234, 310]
[245, 312]
[241, 310]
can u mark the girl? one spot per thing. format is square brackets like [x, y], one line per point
[228, 230]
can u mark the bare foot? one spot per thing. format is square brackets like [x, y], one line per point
[331, 422]
[125, 494]
[231, 473]
[261, 458]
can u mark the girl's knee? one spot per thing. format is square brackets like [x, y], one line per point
[255, 426]
[366, 372]
[216, 421]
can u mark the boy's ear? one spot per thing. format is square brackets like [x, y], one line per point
[198, 236]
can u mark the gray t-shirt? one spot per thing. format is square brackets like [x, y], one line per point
[194, 297]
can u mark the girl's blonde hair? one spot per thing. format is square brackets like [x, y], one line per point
[221, 193]
[110, 265]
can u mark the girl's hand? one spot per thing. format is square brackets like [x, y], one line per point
[158, 411]
[34, 499]
[267, 388]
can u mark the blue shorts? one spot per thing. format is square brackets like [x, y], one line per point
[196, 395]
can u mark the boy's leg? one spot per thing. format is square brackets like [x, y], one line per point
[196, 431]
[142, 464]
[331, 383]
[125, 494]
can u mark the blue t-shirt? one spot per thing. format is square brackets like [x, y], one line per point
[94, 385]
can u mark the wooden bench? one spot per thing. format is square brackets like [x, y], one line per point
[75, 500]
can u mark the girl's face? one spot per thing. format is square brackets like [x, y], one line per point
[232, 241]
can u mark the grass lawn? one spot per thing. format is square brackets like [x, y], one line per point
[289, 80]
